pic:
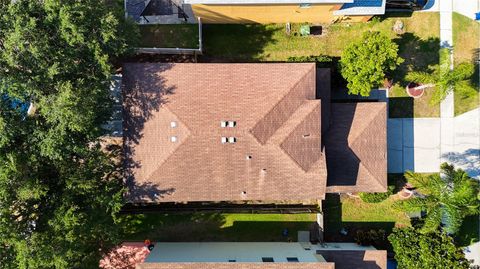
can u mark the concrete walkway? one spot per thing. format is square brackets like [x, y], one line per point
[467, 8]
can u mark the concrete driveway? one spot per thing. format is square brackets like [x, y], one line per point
[415, 144]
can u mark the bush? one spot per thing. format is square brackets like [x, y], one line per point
[320, 60]
[370, 237]
[376, 197]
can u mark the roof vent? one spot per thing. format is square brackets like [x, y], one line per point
[244, 193]
[223, 124]
[224, 140]
[232, 123]
[264, 170]
[306, 135]
[232, 140]
[249, 157]
[173, 139]
[173, 124]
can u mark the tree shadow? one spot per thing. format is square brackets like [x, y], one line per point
[235, 42]
[467, 161]
[144, 92]
[418, 55]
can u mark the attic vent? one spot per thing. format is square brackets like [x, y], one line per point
[223, 124]
[224, 140]
[173, 139]
[232, 140]
[232, 123]
[173, 124]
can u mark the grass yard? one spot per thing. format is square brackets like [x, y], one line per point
[419, 47]
[169, 36]
[215, 227]
[257, 42]
[466, 47]
[355, 215]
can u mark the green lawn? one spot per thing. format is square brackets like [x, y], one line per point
[256, 42]
[169, 36]
[215, 227]
[466, 44]
[418, 46]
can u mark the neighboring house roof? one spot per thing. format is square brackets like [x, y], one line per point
[248, 2]
[237, 265]
[135, 8]
[277, 154]
[362, 7]
[356, 148]
[359, 259]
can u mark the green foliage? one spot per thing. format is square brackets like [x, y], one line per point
[59, 191]
[444, 79]
[376, 197]
[364, 63]
[414, 249]
[320, 60]
[448, 199]
[370, 237]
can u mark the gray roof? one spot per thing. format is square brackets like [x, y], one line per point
[135, 8]
[362, 7]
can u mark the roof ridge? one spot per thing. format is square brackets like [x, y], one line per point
[182, 141]
[302, 78]
[366, 123]
[378, 115]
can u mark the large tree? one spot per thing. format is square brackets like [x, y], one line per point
[414, 250]
[59, 191]
[446, 199]
[364, 63]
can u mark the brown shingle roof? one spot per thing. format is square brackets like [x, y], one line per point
[356, 148]
[356, 259]
[277, 124]
[236, 265]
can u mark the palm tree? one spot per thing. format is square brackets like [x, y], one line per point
[446, 198]
[440, 76]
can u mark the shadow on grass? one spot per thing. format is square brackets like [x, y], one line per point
[235, 42]
[202, 227]
[417, 53]
[401, 107]
[333, 225]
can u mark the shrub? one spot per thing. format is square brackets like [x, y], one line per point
[376, 197]
[320, 60]
[370, 237]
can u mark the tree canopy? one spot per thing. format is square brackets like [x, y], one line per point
[446, 199]
[59, 191]
[364, 63]
[445, 80]
[414, 249]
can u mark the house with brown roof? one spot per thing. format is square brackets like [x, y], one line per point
[246, 132]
